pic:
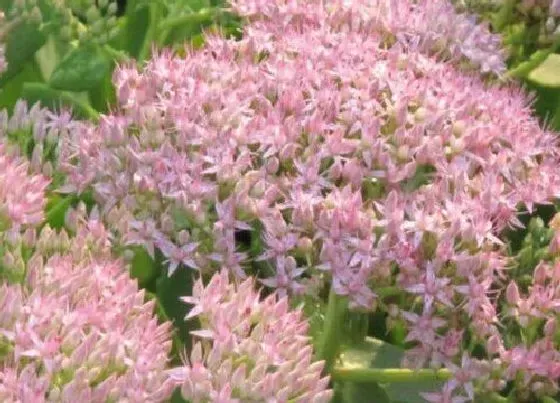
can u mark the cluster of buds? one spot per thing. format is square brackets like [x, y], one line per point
[77, 327]
[101, 18]
[66, 16]
[34, 133]
[250, 350]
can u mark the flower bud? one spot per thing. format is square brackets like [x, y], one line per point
[420, 115]
[112, 9]
[92, 14]
[35, 15]
[494, 345]
[402, 152]
[305, 245]
[512, 293]
[458, 128]
[550, 328]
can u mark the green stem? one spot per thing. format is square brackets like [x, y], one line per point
[391, 291]
[329, 343]
[496, 398]
[151, 34]
[117, 55]
[204, 15]
[504, 14]
[390, 375]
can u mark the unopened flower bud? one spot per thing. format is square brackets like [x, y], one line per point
[128, 255]
[512, 293]
[550, 25]
[457, 144]
[459, 128]
[494, 345]
[183, 237]
[305, 245]
[112, 9]
[393, 310]
[92, 14]
[402, 152]
[35, 15]
[550, 327]
[420, 115]
[272, 165]
[48, 169]
[555, 222]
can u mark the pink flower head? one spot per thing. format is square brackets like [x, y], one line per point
[79, 328]
[251, 349]
[22, 196]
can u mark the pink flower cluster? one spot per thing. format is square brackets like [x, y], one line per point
[34, 132]
[527, 353]
[350, 152]
[22, 208]
[434, 26]
[78, 328]
[73, 325]
[251, 349]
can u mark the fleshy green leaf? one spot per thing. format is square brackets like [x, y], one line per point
[548, 72]
[57, 208]
[82, 69]
[54, 99]
[22, 41]
[11, 91]
[137, 23]
[143, 266]
[169, 290]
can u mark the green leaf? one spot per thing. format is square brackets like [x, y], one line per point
[374, 353]
[82, 69]
[22, 41]
[143, 266]
[11, 91]
[176, 397]
[548, 72]
[169, 290]
[54, 99]
[137, 24]
[314, 309]
[155, 14]
[57, 208]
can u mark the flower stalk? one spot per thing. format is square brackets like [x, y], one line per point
[330, 338]
[388, 375]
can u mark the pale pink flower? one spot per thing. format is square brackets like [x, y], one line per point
[251, 349]
[79, 328]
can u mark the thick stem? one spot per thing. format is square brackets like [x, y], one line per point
[504, 14]
[202, 16]
[390, 375]
[151, 33]
[329, 344]
[389, 291]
